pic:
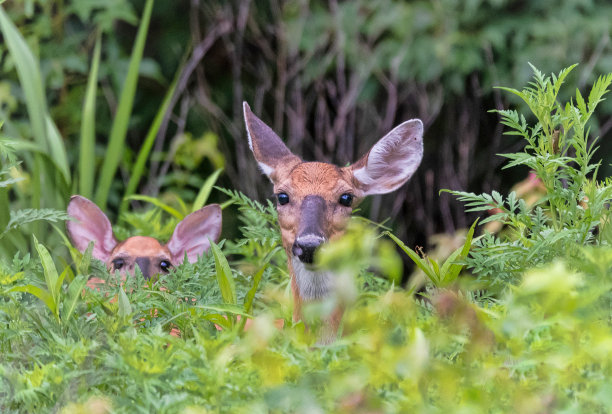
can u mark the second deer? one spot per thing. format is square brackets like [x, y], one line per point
[191, 237]
[315, 199]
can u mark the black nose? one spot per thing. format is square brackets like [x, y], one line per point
[304, 248]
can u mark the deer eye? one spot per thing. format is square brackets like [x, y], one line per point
[118, 263]
[165, 265]
[283, 198]
[346, 199]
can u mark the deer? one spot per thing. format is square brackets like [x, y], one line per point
[191, 238]
[314, 200]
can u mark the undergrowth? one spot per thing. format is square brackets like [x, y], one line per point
[534, 338]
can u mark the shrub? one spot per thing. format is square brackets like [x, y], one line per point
[541, 343]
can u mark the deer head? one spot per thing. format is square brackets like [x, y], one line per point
[315, 199]
[191, 237]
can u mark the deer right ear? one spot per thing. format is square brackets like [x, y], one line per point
[193, 234]
[90, 224]
[268, 149]
[392, 160]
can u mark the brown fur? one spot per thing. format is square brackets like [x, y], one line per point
[313, 178]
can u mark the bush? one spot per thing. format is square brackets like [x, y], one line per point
[534, 338]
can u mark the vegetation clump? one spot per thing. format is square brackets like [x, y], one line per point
[532, 336]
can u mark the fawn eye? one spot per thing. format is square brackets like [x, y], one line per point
[283, 198]
[118, 263]
[165, 265]
[346, 199]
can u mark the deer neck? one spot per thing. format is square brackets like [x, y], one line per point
[311, 284]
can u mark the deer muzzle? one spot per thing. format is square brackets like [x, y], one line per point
[144, 263]
[311, 230]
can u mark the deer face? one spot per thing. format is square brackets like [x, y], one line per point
[314, 199]
[191, 237]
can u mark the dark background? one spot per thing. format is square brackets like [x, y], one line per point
[330, 77]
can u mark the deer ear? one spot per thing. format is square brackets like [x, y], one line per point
[392, 160]
[91, 225]
[193, 234]
[268, 149]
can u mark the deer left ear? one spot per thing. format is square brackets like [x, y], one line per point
[392, 160]
[193, 234]
[90, 224]
[268, 149]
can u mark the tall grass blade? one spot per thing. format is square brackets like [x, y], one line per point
[119, 128]
[146, 147]
[204, 193]
[225, 278]
[43, 129]
[159, 204]
[57, 148]
[88, 127]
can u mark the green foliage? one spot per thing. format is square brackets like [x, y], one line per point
[537, 340]
[119, 128]
[50, 182]
[447, 273]
[575, 209]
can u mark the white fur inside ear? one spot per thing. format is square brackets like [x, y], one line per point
[245, 106]
[266, 169]
[393, 159]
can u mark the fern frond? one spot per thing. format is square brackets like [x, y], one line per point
[25, 216]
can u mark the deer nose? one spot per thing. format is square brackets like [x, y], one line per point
[304, 247]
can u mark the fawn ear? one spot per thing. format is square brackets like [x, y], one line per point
[268, 149]
[91, 225]
[392, 160]
[193, 234]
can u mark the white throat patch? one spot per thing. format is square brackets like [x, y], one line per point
[311, 284]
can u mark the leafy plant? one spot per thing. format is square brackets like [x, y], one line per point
[13, 219]
[51, 182]
[441, 275]
[576, 207]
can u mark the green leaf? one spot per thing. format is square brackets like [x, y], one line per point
[219, 320]
[72, 299]
[40, 293]
[125, 308]
[116, 143]
[225, 278]
[147, 145]
[58, 284]
[205, 190]
[88, 127]
[458, 255]
[581, 104]
[51, 276]
[159, 204]
[227, 308]
[248, 300]
[423, 264]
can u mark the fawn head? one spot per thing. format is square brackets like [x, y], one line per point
[315, 199]
[191, 237]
